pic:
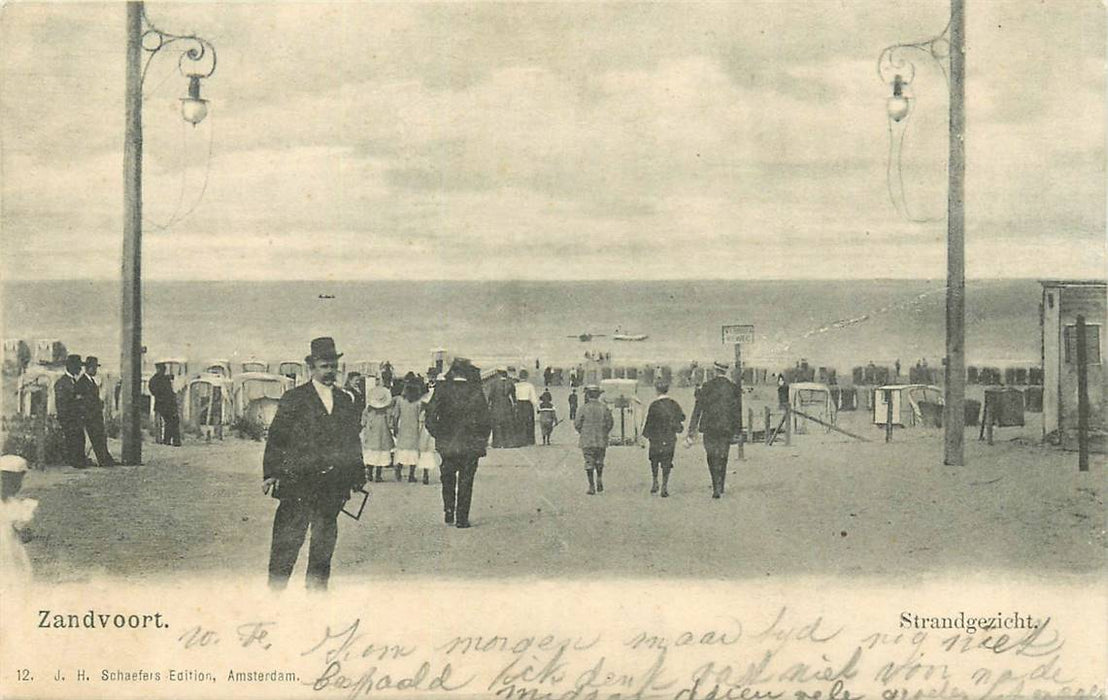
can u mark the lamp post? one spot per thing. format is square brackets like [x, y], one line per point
[895, 67]
[196, 61]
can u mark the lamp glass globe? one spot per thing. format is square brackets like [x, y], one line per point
[898, 107]
[194, 110]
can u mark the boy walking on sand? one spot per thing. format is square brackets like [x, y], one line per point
[594, 422]
[664, 421]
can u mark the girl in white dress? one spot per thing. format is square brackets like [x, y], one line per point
[408, 409]
[377, 430]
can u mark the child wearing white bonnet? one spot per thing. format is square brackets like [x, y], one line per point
[15, 513]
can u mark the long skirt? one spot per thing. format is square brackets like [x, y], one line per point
[525, 423]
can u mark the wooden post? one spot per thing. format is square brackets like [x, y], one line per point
[888, 415]
[1082, 398]
[955, 386]
[750, 425]
[739, 384]
[40, 429]
[131, 340]
[989, 426]
[768, 438]
[788, 425]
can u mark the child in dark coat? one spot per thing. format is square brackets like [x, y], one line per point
[664, 421]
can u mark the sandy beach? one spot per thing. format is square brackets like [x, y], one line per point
[826, 505]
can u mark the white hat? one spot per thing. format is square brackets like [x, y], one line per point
[13, 463]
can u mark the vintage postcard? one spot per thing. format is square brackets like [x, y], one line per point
[553, 351]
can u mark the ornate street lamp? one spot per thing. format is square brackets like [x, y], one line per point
[196, 61]
[896, 67]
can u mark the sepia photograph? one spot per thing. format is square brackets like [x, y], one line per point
[554, 350]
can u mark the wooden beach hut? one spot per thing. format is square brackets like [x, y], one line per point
[1062, 302]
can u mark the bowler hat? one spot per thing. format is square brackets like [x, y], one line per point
[323, 349]
[721, 366]
[594, 390]
[92, 360]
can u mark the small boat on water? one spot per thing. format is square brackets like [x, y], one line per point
[326, 296]
[621, 335]
[586, 337]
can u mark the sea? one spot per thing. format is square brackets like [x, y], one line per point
[840, 324]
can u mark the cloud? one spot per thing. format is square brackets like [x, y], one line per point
[617, 139]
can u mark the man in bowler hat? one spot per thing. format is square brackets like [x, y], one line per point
[69, 402]
[458, 419]
[92, 410]
[312, 463]
[717, 414]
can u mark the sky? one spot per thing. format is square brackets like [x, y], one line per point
[553, 141]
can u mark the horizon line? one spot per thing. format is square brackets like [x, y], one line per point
[1036, 278]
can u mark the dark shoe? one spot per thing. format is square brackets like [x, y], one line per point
[599, 486]
[665, 494]
[654, 488]
[426, 478]
[462, 524]
[411, 480]
[715, 494]
[591, 491]
[449, 517]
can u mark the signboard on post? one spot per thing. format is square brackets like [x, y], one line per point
[737, 335]
[734, 335]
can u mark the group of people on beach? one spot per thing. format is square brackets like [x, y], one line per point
[322, 449]
[326, 442]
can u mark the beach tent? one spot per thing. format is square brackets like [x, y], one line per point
[295, 370]
[256, 395]
[906, 400]
[208, 403]
[621, 395]
[47, 351]
[255, 365]
[37, 385]
[221, 368]
[814, 399]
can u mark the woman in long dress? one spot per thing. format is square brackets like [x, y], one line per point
[407, 408]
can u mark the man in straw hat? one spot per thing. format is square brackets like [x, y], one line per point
[313, 460]
[717, 414]
[458, 419]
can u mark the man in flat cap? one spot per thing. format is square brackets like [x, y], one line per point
[458, 419]
[92, 410]
[718, 416]
[594, 423]
[69, 403]
[312, 463]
